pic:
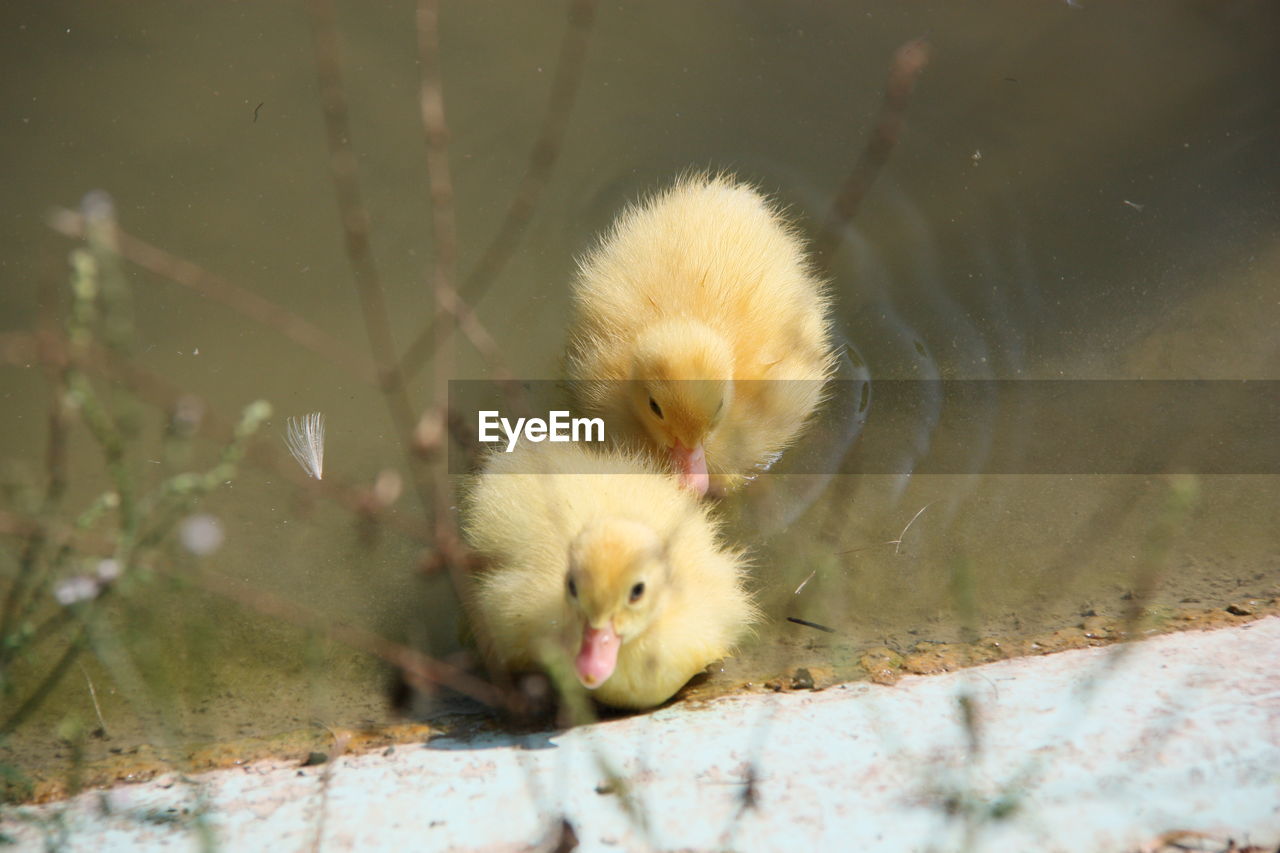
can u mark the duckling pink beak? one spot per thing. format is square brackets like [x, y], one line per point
[692, 465]
[598, 655]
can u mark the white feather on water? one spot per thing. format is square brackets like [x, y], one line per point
[306, 442]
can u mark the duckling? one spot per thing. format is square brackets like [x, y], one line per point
[600, 558]
[700, 328]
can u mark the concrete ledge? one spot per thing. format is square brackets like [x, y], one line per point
[1098, 749]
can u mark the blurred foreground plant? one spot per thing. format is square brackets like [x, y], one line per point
[70, 561]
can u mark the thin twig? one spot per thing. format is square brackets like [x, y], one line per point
[352, 211]
[867, 547]
[449, 305]
[444, 227]
[444, 224]
[55, 370]
[542, 160]
[93, 694]
[68, 383]
[52, 678]
[808, 624]
[449, 546]
[351, 207]
[23, 348]
[67, 540]
[180, 271]
[355, 229]
[897, 543]
[909, 62]
[478, 336]
[59, 413]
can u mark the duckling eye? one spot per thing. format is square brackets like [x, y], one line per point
[655, 408]
[573, 589]
[637, 591]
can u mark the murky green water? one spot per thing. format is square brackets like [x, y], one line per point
[1081, 192]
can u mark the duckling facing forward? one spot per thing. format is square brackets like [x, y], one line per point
[700, 328]
[601, 559]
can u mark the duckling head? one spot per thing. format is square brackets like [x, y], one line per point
[681, 390]
[615, 586]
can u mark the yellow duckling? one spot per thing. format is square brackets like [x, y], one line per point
[601, 559]
[699, 327]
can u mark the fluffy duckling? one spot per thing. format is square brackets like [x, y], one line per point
[700, 328]
[603, 560]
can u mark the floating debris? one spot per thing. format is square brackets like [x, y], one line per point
[897, 543]
[809, 624]
[306, 443]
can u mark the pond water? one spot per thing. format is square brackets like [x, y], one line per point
[1081, 191]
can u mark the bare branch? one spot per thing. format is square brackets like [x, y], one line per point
[909, 62]
[217, 289]
[355, 229]
[542, 160]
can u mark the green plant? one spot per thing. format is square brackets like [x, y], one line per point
[72, 561]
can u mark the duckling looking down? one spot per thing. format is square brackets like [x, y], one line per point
[603, 560]
[700, 328]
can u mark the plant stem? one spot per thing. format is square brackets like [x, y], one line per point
[51, 680]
